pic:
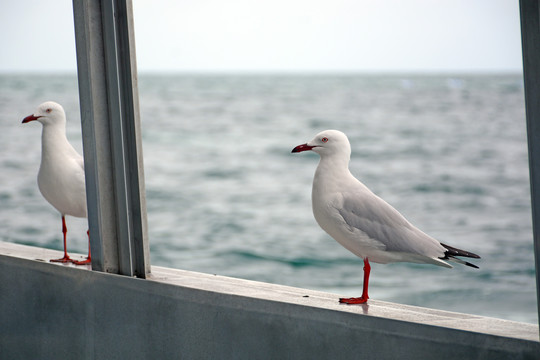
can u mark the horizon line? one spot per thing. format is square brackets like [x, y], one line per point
[238, 72]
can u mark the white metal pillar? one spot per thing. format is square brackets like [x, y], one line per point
[530, 35]
[111, 130]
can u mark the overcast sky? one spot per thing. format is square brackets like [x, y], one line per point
[281, 35]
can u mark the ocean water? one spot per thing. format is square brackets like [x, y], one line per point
[226, 196]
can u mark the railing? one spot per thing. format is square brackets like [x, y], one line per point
[52, 311]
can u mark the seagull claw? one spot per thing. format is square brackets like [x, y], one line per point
[355, 300]
[83, 262]
[65, 259]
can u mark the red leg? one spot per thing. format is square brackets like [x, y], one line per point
[89, 257]
[364, 298]
[66, 257]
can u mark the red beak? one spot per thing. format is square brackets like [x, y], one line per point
[303, 147]
[30, 118]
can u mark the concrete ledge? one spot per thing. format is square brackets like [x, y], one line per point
[51, 311]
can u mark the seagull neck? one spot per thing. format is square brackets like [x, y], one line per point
[53, 135]
[335, 165]
[336, 161]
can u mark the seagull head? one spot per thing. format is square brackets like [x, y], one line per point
[327, 143]
[48, 113]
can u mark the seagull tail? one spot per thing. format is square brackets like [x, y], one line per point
[451, 253]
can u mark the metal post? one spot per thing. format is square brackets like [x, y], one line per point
[530, 36]
[111, 136]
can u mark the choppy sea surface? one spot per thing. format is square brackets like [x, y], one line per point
[226, 196]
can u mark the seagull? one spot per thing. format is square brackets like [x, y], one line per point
[362, 222]
[61, 173]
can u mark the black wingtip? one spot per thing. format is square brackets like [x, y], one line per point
[471, 265]
[452, 252]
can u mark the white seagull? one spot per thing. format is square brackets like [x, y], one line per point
[362, 222]
[61, 173]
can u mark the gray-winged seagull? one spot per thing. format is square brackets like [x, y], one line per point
[61, 173]
[361, 221]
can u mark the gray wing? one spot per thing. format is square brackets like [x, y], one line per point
[372, 215]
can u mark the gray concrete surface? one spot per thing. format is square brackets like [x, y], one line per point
[52, 311]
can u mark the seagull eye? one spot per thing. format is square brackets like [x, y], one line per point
[324, 139]
[48, 110]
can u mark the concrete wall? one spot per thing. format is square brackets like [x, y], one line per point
[51, 311]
